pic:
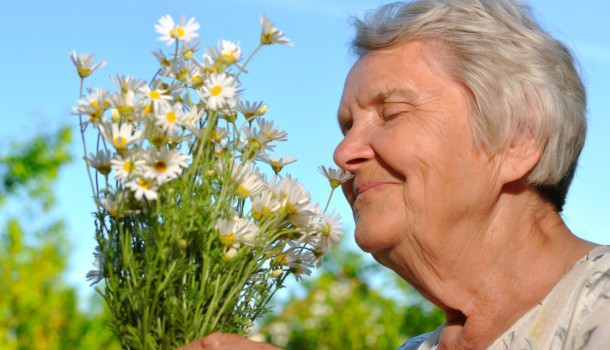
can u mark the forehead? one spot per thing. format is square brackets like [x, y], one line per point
[406, 65]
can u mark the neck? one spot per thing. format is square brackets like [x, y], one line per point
[494, 272]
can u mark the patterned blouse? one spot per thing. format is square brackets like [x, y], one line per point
[574, 315]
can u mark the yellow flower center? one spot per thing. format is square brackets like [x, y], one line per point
[144, 183]
[120, 143]
[125, 111]
[128, 166]
[154, 94]
[182, 75]
[171, 117]
[266, 38]
[334, 183]
[160, 166]
[242, 192]
[326, 230]
[177, 32]
[187, 54]
[84, 72]
[227, 239]
[104, 169]
[216, 90]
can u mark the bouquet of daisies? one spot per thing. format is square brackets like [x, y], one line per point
[193, 237]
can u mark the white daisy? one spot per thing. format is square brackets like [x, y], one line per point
[170, 31]
[127, 83]
[187, 72]
[237, 231]
[143, 188]
[156, 97]
[94, 105]
[169, 118]
[100, 161]
[127, 166]
[124, 103]
[230, 52]
[163, 60]
[218, 92]
[295, 200]
[335, 176]
[164, 165]
[331, 229]
[120, 136]
[84, 64]
[264, 205]
[254, 142]
[271, 35]
[208, 64]
[188, 50]
[277, 163]
[249, 110]
[269, 132]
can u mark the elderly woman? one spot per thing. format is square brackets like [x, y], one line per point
[463, 123]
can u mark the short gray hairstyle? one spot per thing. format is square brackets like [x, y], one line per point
[520, 78]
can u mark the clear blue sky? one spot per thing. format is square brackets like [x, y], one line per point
[302, 84]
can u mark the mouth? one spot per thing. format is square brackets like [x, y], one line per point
[370, 187]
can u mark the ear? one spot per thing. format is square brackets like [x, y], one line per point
[520, 157]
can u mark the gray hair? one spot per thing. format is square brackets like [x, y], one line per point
[519, 77]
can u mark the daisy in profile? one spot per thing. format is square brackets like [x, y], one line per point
[271, 35]
[171, 31]
[188, 49]
[84, 64]
[250, 110]
[269, 132]
[277, 163]
[127, 83]
[143, 187]
[230, 52]
[121, 136]
[100, 161]
[218, 92]
[335, 176]
[331, 230]
[169, 117]
[264, 205]
[164, 165]
[94, 105]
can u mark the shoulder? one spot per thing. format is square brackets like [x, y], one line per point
[591, 318]
[415, 342]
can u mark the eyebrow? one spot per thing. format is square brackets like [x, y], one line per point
[408, 94]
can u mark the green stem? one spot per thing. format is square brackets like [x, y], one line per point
[329, 198]
[82, 134]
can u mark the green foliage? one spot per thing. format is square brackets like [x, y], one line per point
[37, 310]
[34, 165]
[342, 310]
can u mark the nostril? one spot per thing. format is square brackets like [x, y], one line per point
[355, 161]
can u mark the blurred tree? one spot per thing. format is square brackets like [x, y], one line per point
[37, 309]
[343, 310]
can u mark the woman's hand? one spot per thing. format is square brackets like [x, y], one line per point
[226, 341]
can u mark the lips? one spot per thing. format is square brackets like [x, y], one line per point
[369, 187]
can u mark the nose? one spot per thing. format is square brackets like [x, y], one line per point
[354, 150]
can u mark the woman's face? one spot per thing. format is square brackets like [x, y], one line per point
[419, 179]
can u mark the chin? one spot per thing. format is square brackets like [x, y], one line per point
[372, 240]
